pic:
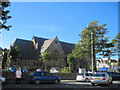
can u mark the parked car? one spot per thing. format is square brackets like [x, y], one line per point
[12, 69]
[43, 77]
[53, 70]
[114, 75]
[24, 70]
[38, 69]
[101, 78]
[84, 77]
[2, 79]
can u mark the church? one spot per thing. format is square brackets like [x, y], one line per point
[30, 51]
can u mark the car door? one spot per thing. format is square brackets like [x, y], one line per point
[49, 77]
[87, 76]
[42, 77]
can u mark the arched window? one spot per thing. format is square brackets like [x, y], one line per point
[55, 54]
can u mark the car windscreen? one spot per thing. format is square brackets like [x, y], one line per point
[90, 74]
[99, 75]
[32, 73]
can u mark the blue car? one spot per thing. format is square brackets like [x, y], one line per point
[43, 77]
[12, 69]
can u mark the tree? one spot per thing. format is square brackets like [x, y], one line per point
[4, 15]
[83, 48]
[45, 57]
[116, 43]
[70, 59]
[108, 52]
[4, 57]
[14, 53]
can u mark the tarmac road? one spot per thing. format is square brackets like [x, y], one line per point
[63, 84]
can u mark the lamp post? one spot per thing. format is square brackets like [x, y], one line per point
[92, 50]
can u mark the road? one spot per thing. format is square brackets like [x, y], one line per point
[63, 84]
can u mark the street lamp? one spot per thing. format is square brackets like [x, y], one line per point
[92, 50]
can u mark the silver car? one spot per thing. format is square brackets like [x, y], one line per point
[2, 79]
[101, 78]
[84, 77]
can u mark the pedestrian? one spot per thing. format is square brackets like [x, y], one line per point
[18, 75]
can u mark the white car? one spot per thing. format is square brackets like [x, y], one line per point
[3, 79]
[101, 78]
[84, 77]
[38, 70]
[53, 70]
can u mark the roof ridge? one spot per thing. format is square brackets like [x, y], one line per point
[67, 42]
[39, 37]
[23, 39]
[50, 39]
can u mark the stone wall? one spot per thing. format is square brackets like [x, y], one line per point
[63, 76]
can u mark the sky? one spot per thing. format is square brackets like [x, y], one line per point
[61, 19]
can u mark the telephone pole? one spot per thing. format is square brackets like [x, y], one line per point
[92, 50]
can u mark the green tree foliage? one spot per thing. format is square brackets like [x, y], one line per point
[14, 53]
[65, 70]
[83, 48]
[45, 57]
[4, 57]
[108, 52]
[70, 59]
[4, 15]
[116, 43]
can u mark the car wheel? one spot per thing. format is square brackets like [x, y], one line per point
[108, 83]
[57, 81]
[93, 84]
[0, 81]
[111, 82]
[37, 81]
[86, 80]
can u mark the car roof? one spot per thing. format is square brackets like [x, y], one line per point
[101, 73]
[42, 71]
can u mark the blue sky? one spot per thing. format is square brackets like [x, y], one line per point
[62, 19]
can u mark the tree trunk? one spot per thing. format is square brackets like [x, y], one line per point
[45, 66]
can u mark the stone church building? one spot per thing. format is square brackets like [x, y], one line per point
[30, 52]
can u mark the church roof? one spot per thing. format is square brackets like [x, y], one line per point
[40, 41]
[23, 44]
[67, 47]
[26, 49]
[46, 44]
[29, 52]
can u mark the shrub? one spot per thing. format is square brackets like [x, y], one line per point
[65, 70]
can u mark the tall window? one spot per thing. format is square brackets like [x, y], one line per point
[55, 54]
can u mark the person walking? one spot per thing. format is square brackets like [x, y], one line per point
[18, 75]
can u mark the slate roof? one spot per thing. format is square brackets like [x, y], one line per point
[40, 41]
[27, 47]
[23, 44]
[67, 47]
[46, 44]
